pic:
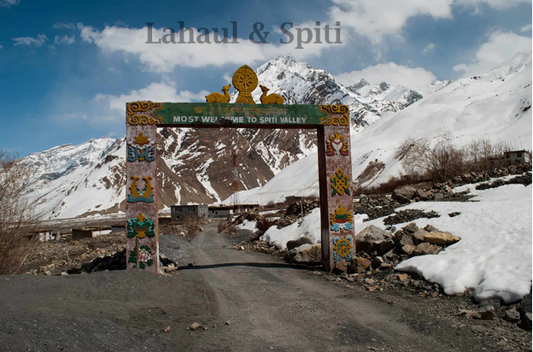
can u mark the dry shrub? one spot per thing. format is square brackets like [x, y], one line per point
[444, 161]
[17, 220]
[226, 227]
[263, 224]
[192, 224]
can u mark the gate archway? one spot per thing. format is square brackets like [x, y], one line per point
[331, 122]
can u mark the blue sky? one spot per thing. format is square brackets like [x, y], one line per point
[67, 67]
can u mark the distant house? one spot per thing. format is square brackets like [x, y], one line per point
[517, 157]
[180, 212]
[223, 211]
[220, 211]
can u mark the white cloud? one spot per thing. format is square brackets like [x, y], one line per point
[415, 78]
[227, 77]
[429, 48]
[61, 25]
[66, 40]
[9, 3]
[164, 57]
[1, 47]
[161, 92]
[36, 42]
[500, 47]
[526, 28]
[495, 4]
[378, 18]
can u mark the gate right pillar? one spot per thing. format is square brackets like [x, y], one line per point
[336, 192]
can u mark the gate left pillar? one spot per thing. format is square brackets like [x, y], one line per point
[142, 248]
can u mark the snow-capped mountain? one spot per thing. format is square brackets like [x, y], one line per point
[494, 106]
[195, 164]
[300, 83]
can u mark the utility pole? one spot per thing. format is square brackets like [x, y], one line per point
[235, 195]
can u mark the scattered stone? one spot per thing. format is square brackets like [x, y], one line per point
[426, 248]
[403, 277]
[166, 330]
[469, 314]
[410, 228]
[341, 267]
[512, 315]
[306, 253]
[360, 264]
[297, 243]
[194, 326]
[408, 215]
[376, 262]
[441, 238]
[454, 214]
[404, 194]
[487, 313]
[419, 236]
[408, 249]
[227, 322]
[372, 239]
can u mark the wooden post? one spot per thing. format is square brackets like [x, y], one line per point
[335, 183]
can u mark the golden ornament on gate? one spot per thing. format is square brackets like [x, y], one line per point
[245, 81]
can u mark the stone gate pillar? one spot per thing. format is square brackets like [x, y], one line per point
[335, 180]
[142, 248]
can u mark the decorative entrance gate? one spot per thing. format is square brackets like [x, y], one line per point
[332, 123]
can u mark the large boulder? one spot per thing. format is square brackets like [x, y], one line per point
[404, 194]
[373, 239]
[297, 243]
[306, 253]
[440, 238]
[426, 248]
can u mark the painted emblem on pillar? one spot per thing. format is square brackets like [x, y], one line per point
[342, 249]
[144, 195]
[337, 146]
[330, 120]
[141, 227]
[340, 183]
[145, 256]
[141, 149]
[341, 219]
[143, 113]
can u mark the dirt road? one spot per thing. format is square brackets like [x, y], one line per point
[246, 301]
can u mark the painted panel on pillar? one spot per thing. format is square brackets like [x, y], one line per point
[142, 248]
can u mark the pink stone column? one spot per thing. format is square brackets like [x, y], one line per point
[336, 198]
[142, 248]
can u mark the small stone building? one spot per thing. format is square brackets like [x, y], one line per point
[517, 157]
[180, 212]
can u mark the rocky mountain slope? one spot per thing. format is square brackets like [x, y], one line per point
[195, 164]
[495, 106]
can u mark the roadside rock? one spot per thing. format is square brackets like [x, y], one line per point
[426, 248]
[306, 253]
[373, 239]
[441, 238]
[512, 316]
[404, 194]
[297, 243]
[360, 264]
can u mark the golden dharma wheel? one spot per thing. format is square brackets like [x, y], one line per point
[245, 81]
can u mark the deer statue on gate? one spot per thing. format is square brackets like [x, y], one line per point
[272, 98]
[219, 98]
